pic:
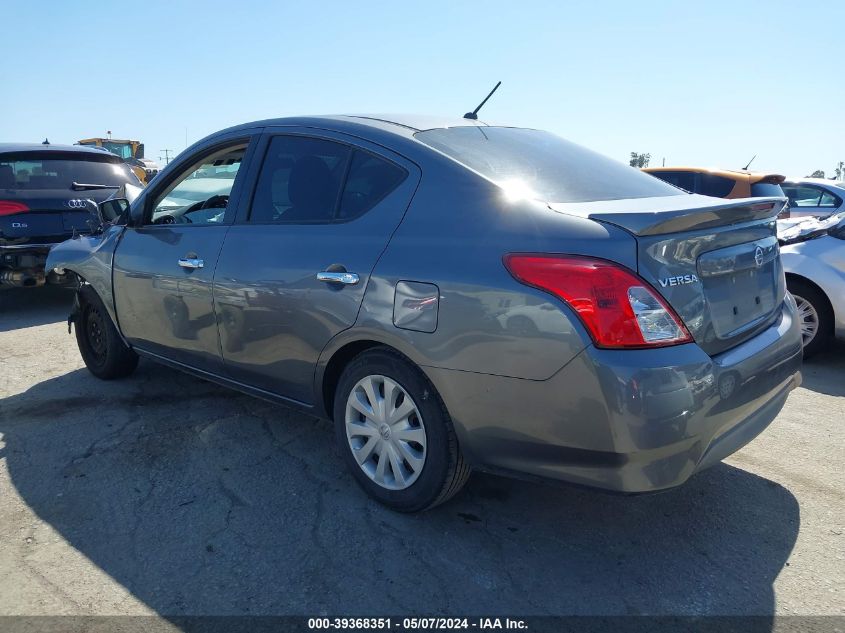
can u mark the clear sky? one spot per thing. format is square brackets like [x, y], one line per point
[700, 83]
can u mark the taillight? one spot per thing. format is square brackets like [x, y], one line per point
[617, 307]
[8, 207]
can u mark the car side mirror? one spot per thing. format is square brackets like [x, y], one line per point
[113, 211]
[136, 216]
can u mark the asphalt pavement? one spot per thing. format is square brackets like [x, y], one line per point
[164, 494]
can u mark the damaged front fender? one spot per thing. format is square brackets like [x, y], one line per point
[90, 257]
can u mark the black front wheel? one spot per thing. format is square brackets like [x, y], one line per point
[104, 352]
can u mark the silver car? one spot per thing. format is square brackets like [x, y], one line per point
[454, 296]
[814, 197]
[813, 254]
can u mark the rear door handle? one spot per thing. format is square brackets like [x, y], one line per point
[191, 262]
[349, 279]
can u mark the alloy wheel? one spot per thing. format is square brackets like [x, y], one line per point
[808, 317]
[385, 432]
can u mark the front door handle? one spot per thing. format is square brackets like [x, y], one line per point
[349, 279]
[191, 262]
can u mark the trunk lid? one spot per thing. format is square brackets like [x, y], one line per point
[52, 217]
[715, 261]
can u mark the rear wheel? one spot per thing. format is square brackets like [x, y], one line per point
[104, 352]
[395, 433]
[814, 314]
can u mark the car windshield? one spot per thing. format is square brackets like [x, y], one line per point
[42, 170]
[536, 164]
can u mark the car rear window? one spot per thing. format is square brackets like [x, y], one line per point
[540, 165]
[45, 170]
[767, 189]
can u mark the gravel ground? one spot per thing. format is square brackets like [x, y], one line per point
[163, 494]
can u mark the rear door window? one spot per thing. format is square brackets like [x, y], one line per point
[370, 179]
[829, 200]
[803, 195]
[300, 181]
[315, 181]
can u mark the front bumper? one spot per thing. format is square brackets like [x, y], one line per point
[626, 420]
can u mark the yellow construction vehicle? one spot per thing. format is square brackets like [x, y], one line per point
[132, 153]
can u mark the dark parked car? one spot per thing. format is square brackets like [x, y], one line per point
[454, 296]
[44, 194]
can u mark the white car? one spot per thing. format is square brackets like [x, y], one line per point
[813, 254]
[816, 197]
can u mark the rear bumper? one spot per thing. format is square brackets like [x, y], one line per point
[628, 421]
[23, 265]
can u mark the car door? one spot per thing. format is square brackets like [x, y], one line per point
[164, 264]
[294, 267]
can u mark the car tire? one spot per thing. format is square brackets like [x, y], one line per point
[104, 352]
[815, 315]
[415, 475]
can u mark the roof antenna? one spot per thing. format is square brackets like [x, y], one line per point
[46, 142]
[751, 161]
[474, 114]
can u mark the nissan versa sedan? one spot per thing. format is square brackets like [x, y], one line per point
[455, 296]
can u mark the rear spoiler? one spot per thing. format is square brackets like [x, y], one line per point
[674, 214]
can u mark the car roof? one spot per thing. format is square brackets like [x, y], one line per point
[400, 124]
[733, 174]
[8, 148]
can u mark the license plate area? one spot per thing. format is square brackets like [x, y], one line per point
[740, 285]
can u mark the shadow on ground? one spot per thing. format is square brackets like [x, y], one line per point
[28, 307]
[823, 373]
[203, 501]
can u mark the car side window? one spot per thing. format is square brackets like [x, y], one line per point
[829, 200]
[316, 181]
[802, 195]
[370, 179]
[200, 194]
[300, 181]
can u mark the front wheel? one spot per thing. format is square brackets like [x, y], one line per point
[104, 352]
[814, 315]
[395, 433]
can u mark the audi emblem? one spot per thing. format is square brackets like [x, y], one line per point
[76, 204]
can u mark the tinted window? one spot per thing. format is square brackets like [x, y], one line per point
[767, 189]
[300, 180]
[713, 185]
[200, 194]
[370, 179]
[44, 170]
[537, 164]
[683, 179]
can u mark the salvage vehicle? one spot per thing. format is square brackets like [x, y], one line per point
[44, 199]
[816, 197]
[364, 269]
[813, 255]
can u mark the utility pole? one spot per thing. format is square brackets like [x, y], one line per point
[166, 157]
[840, 171]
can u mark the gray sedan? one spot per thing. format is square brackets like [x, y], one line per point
[454, 296]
